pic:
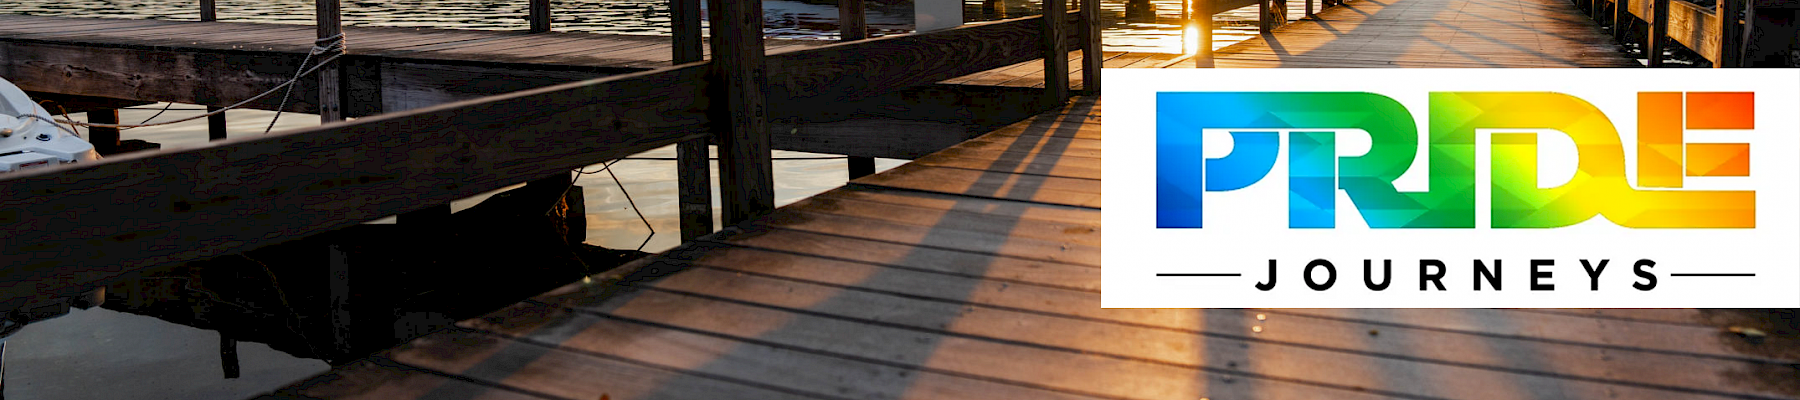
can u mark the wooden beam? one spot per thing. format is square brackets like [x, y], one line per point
[1200, 16]
[330, 27]
[1092, 54]
[746, 173]
[209, 10]
[105, 140]
[693, 158]
[850, 71]
[540, 16]
[1056, 52]
[241, 193]
[1659, 33]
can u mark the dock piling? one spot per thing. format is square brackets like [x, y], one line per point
[1659, 32]
[215, 124]
[539, 16]
[693, 160]
[209, 10]
[331, 31]
[853, 27]
[1056, 52]
[105, 140]
[1092, 56]
[746, 172]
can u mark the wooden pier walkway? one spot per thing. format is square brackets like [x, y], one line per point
[974, 273]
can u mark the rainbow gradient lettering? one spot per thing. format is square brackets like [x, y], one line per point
[1599, 187]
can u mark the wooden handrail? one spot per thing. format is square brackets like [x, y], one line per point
[75, 226]
[1698, 28]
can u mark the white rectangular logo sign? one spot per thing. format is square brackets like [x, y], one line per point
[1451, 188]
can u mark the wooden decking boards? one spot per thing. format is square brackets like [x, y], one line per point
[974, 273]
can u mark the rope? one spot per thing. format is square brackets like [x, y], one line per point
[333, 45]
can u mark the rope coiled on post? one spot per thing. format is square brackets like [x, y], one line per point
[333, 46]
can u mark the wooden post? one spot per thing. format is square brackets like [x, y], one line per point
[746, 175]
[539, 16]
[1731, 33]
[1202, 18]
[215, 124]
[693, 160]
[1659, 32]
[330, 107]
[105, 140]
[209, 10]
[1056, 52]
[337, 293]
[1093, 57]
[228, 357]
[853, 27]
[1621, 19]
[1262, 17]
[1309, 9]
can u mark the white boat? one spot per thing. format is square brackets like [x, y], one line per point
[29, 138]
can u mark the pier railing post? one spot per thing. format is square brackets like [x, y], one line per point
[215, 124]
[852, 27]
[1659, 32]
[1056, 52]
[1201, 16]
[1309, 9]
[1093, 56]
[209, 10]
[693, 161]
[539, 14]
[1621, 19]
[105, 140]
[330, 29]
[746, 174]
[1731, 33]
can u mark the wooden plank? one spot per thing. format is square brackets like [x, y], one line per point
[942, 261]
[801, 371]
[1649, 337]
[952, 236]
[1034, 188]
[1029, 211]
[564, 374]
[385, 380]
[994, 223]
[294, 183]
[746, 172]
[893, 62]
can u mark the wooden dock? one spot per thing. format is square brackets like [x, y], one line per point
[974, 273]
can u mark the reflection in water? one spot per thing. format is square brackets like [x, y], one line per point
[1138, 25]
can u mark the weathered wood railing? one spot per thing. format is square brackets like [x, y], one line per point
[73, 227]
[1720, 34]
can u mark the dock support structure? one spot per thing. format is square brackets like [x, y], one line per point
[215, 124]
[1200, 16]
[540, 16]
[693, 160]
[1056, 52]
[209, 10]
[1093, 57]
[105, 140]
[1733, 32]
[747, 179]
[852, 27]
[1659, 33]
